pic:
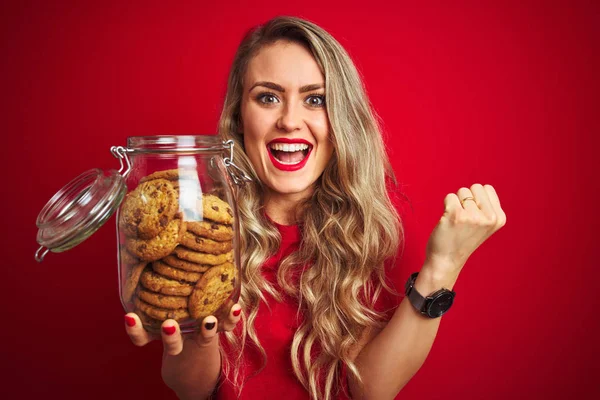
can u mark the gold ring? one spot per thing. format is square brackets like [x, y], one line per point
[462, 202]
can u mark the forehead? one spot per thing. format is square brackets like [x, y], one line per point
[285, 63]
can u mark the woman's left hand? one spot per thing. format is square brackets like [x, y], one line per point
[470, 217]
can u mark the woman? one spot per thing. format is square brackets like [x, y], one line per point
[318, 227]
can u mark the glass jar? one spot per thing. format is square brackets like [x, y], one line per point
[177, 225]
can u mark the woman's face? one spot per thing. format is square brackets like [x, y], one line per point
[284, 120]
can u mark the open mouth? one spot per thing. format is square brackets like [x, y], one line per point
[290, 154]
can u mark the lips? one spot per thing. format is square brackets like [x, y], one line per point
[289, 154]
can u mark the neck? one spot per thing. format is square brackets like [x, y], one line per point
[282, 208]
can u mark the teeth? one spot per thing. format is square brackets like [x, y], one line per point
[289, 147]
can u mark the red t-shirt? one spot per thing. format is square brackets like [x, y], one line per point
[275, 326]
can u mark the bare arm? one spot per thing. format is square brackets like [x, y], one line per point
[394, 354]
[388, 359]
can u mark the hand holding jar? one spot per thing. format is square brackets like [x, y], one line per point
[171, 331]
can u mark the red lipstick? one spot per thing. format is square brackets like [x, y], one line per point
[289, 167]
[290, 141]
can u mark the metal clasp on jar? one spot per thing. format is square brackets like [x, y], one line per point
[238, 175]
[120, 152]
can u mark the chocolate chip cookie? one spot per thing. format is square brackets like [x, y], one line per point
[205, 245]
[211, 291]
[216, 209]
[177, 274]
[176, 262]
[131, 281]
[159, 246]
[148, 209]
[160, 313]
[202, 258]
[160, 284]
[211, 230]
[127, 258]
[168, 174]
[161, 300]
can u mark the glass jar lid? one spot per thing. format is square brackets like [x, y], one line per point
[78, 210]
[81, 207]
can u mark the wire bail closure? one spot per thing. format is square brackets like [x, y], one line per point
[238, 175]
[41, 253]
[120, 152]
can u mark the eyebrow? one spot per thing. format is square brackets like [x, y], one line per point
[279, 88]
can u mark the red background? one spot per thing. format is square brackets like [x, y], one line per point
[505, 94]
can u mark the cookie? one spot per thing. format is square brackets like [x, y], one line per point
[202, 258]
[204, 245]
[160, 284]
[159, 246]
[148, 209]
[176, 262]
[161, 300]
[211, 230]
[160, 313]
[131, 281]
[168, 174]
[222, 312]
[212, 290]
[216, 209]
[127, 258]
[147, 321]
[175, 273]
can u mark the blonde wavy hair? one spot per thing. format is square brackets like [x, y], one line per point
[350, 207]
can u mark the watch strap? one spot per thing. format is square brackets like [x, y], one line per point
[422, 304]
[414, 296]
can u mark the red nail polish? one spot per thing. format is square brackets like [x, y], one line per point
[169, 330]
[237, 312]
[129, 321]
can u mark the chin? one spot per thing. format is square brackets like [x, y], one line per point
[288, 189]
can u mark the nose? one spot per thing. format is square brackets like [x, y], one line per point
[290, 119]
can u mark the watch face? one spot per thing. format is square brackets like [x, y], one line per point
[440, 304]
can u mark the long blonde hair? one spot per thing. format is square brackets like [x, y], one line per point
[350, 207]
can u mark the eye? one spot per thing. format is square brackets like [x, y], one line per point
[316, 100]
[267, 98]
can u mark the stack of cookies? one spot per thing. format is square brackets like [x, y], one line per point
[178, 262]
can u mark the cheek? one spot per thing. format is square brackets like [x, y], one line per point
[251, 128]
[320, 128]
[256, 122]
[328, 153]
[253, 143]
[253, 136]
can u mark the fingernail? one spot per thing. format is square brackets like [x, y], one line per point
[209, 325]
[237, 312]
[129, 321]
[169, 330]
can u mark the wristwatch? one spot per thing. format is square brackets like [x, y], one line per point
[435, 305]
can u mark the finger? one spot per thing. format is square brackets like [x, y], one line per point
[451, 204]
[134, 328]
[495, 201]
[467, 199]
[208, 329]
[492, 194]
[485, 204]
[235, 314]
[171, 337]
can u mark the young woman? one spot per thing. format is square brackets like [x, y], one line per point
[318, 228]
